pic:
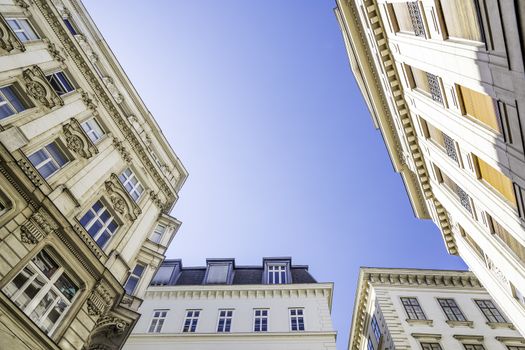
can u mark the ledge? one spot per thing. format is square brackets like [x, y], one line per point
[420, 322]
[496, 325]
[461, 337]
[460, 323]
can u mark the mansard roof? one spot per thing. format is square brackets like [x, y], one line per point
[174, 274]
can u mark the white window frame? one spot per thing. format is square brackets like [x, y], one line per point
[93, 129]
[55, 76]
[157, 320]
[278, 272]
[7, 102]
[136, 188]
[31, 36]
[158, 233]
[48, 288]
[50, 159]
[105, 225]
[225, 315]
[297, 317]
[194, 320]
[135, 276]
[261, 317]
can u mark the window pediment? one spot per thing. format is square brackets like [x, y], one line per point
[120, 199]
[38, 87]
[77, 140]
[8, 39]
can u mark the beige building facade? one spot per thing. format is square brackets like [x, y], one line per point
[87, 184]
[273, 306]
[427, 310]
[444, 82]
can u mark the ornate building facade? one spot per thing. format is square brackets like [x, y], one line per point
[276, 305]
[428, 310]
[445, 84]
[87, 182]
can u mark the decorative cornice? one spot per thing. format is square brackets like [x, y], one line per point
[90, 242]
[8, 40]
[119, 145]
[99, 300]
[22, 4]
[37, 227]
[30, 171]
[55, 52]
[120, 198]
[39, 88]
[85, 68]
[77, 140]
[156, 200]
[468, 337]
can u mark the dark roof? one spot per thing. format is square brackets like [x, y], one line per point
[174, 274]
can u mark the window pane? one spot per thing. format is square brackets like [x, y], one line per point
[66, 287]
[45, 263]
[461, 19]
[42, 307]
[57, 155]
[30, 292]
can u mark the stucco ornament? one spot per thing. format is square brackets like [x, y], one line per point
[113, 90]
[38, 88]
[120, 199]
[77, 140]
[99, 300]
[37, 227]
[8, 39]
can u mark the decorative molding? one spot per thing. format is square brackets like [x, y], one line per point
[113, 90]
[116, 324]
[156, 200]
[426, 336]
[30, 171]
[55, 52]
[70, 47]
[38, 87]
[92, 245]
[419, 322]
[468, 337]
[120, 198]
[77, 140]
[88, 102]
[454, 323]
[8, 40]
[122, 150]
[99, 300]
[496, 325]
[22, 4]
[511, 340]
[86, 47]
[37, 227]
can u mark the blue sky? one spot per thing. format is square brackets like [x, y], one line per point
[258, 100]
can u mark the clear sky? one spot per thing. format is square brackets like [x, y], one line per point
[258, 100]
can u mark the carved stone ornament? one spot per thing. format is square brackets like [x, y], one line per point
[77, 140]
[8, 40]
[39, 88]
[55, 52]
[30, 171]
[98, 301]
[122, 150]
[22, 4]
[37, 227]
[156, 200]
[120, 199]
[113, 90]
[86, 47]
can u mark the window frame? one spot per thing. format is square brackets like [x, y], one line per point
[375, 328]
[161, 236]
[412, 306]
[92, 130]
[157, 321]
[191, 326]
[432, 346]
[297, 318]
[55, 76]
[50, 159]
[261, 318]
[494, 307]
[128, 179]
[282, 273]
[105, 225]
[29, 24]
[136, 276]
[227, 320]
[22, 100]
[471, 346]
[456, 316]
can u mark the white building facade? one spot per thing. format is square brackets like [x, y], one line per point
[224, 306]
[87, 184]
[427, 310]
[445, 84]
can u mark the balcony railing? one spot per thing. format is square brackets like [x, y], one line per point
[433, 84]
[416, 18]
[450, 147]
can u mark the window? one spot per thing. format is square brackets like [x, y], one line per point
[225, 321]
[480, 107]
[22, 29]
[159, 316]
[451, 309]
[48, 160]
[43, 291]
[99, 223]
[60, 83]
[426, 83]
[260, 320]
[440, 138]
[473, 347]
[297, 319]
[5, 203]
[508, 239]
[163, 275]
[462, 196]
[10, 101]
[131, 184]
[515, 347]
[430, 346]
[408, 18]
[70, 26]
[496, 180]
[93, 130]
[490, 311]
[157, 234]
[277, 274]
[462, 19]
[190, 323]
[217, 273]
[134, 278]
[370, 345]
[375, 328]
[413, 309]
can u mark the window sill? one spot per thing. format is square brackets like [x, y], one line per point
[420, 322]
[454, 324]
[499, 325]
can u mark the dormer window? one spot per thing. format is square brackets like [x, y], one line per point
[217, 273]
[277, 274]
